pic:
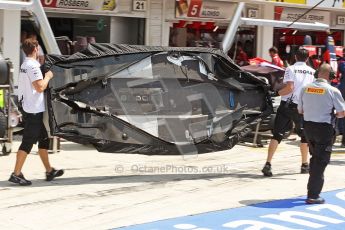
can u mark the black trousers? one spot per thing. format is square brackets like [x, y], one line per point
[286, 115]
[320, 140]
[34, 131]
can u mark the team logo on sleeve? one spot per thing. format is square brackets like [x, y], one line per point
[312, 90]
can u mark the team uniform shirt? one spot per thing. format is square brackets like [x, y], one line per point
[317, 101]
[33, 101]
[300, 74]
[277, 61]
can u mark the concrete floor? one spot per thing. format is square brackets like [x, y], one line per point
[103, 190]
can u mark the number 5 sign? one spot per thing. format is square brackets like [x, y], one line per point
[49, 3]
[194, 8]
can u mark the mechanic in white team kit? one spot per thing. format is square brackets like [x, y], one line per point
[295, 78]
[31, 85]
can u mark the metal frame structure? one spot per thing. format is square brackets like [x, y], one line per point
[7, 88]
[35, 9]
[237, 20]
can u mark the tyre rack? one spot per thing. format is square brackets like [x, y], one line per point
[8, 107]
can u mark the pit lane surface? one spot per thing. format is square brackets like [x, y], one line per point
[287, 214]
[106, 191]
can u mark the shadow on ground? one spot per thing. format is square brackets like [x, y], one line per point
[288, 203]
[293, 141]
[143, 178]
[68, 146]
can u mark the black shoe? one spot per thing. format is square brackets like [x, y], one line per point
[54, 173]
[19, 179]
[319, 200]
[267, 170]
[304, 168]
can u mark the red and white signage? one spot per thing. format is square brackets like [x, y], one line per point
[291, 14]
[71, 4]
[97, 5]
[194, 8]
[204, 9]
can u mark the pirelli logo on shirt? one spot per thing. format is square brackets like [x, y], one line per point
[312, 90]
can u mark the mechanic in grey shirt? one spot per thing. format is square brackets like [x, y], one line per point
[317, 102]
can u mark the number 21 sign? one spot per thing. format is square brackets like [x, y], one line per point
[139, 5]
